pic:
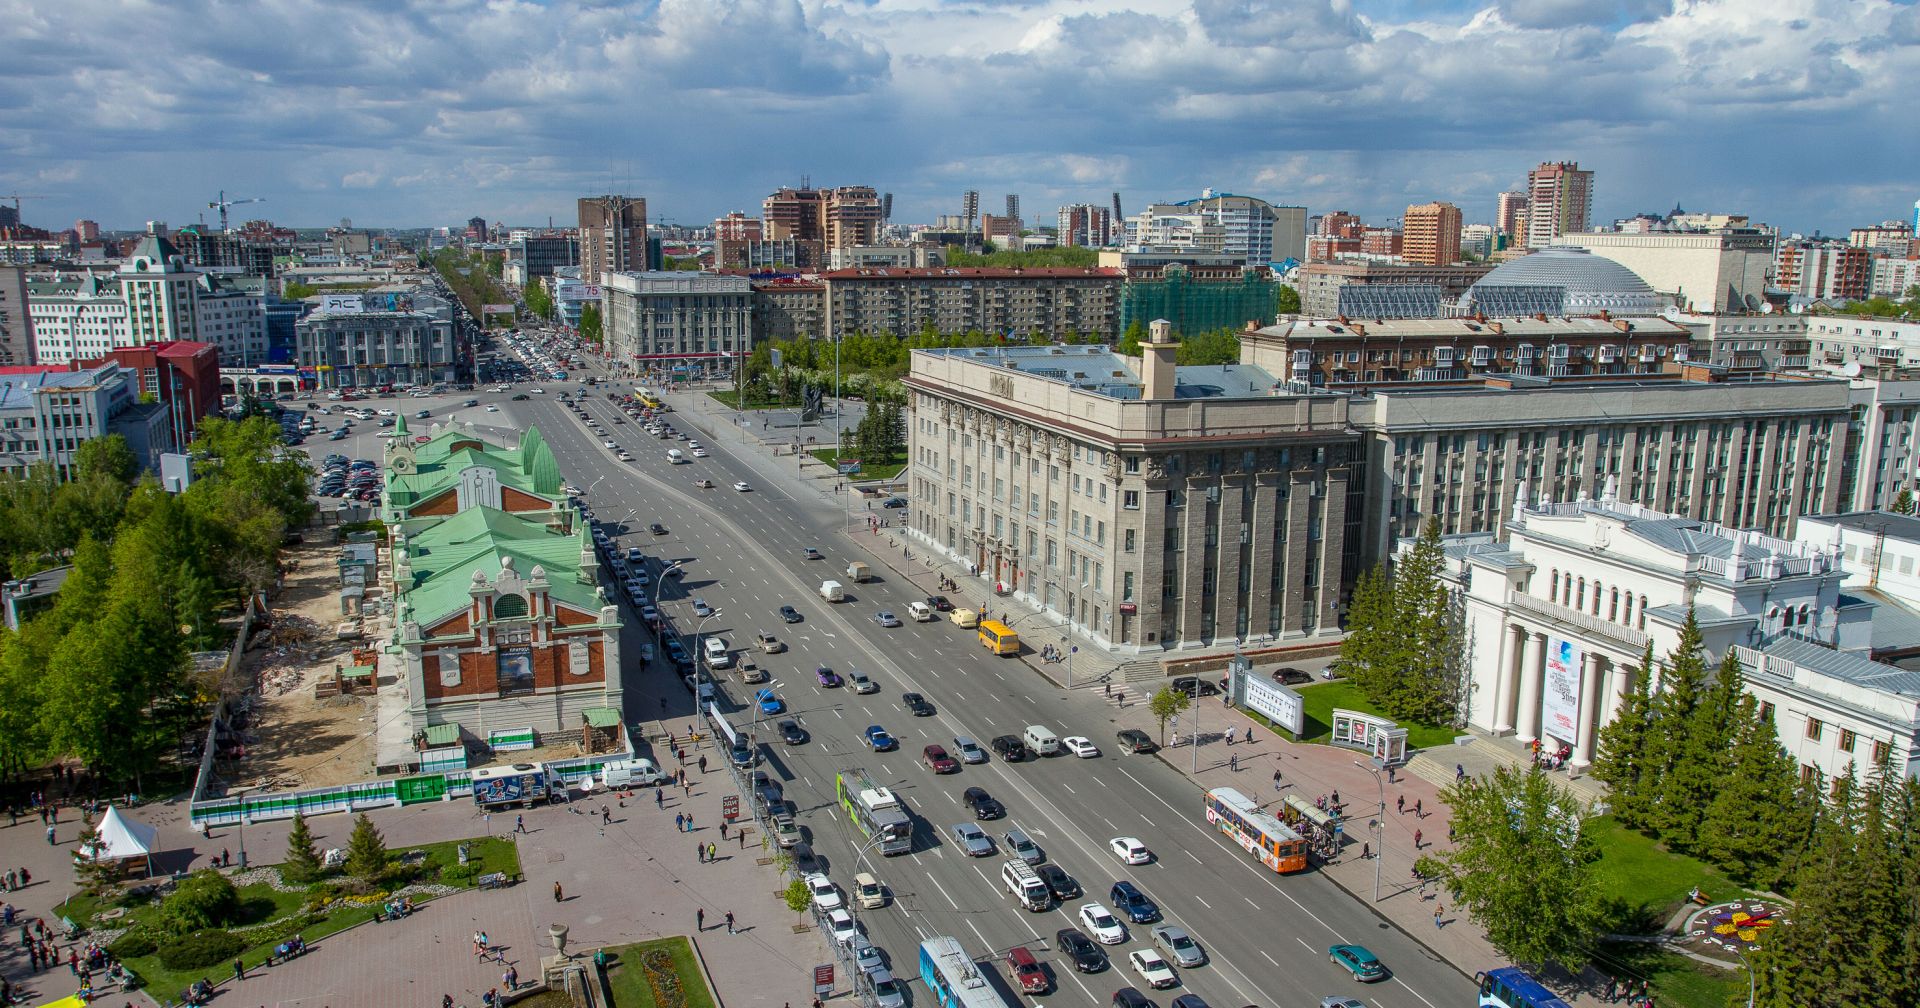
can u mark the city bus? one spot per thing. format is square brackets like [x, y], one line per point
[648, 400]
[999, 638]
[954, 979]
[1263, 836]
[876, 812]
[1513, 987]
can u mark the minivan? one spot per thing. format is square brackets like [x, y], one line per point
[920, 612]
[867, 890]
[1041, 740]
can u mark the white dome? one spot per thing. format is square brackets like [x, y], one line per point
[1592, 283]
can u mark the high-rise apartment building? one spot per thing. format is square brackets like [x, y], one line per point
[1823, 270]
[737, 226]
[613, 236]
[1086, 225]
[1559, 200]
[1431, 234]
[87, 230]
[1003, 231]
[1255, 231]
[820, 219]
[1510, 215]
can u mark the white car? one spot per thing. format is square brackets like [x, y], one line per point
[491, 408]
[1081, 746]
[867, 959]
[699, 453]
[1153, 969]
[826, 895]
[538, 391]
[841, 926]
[887, 992]
[1102, 924]
[1130, 850]
[386, 412]
[742, 486]
[608, 445]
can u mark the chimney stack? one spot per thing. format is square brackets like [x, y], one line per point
[1156, 360]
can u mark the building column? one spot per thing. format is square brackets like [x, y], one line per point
[1591, 676]
[1506, 679]
[1619, 681]
[1532, 654]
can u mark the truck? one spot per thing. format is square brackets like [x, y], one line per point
[832, 591]
[513, 784]
[857, 572]
[875, 810]
[1025, 884]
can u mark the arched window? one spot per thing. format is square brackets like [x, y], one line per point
[1626, 615]
[1643, 612]
[1596, 598]
[1806, 615]
[1554, 592]
[510, 607]
[1580, 595]
[1613, 605]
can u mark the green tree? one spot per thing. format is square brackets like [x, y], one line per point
[797, 896]
[303, 861]
[590, 323]
[1683, 688]
[1165, 704]
[1368, 655]
[1130, 340]
[1221, 346]
[204, 899]
[107, 456]
[249, 489]
[1621, 761]
[1522, 865]
[90, 865]
[366, 851]
[1759, 815]
[1903, 502]
[538, 300]
[296, 291]
[1287, 301]
[1405, 643]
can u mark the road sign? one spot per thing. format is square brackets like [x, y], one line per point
[823, 979]
[730, 807]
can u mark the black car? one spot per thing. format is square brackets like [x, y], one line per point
[1128, 997]
[1009, 748]
[791, 733]
[677, 652]
[982, 803]
[1196, 686]
[894, 502]
[1134, 740]
[1086, 956]
[939, 603]
[916, 705]
[657, 529]
[1292, 676]
[789, 614]
[1058, 881]
[522, 397]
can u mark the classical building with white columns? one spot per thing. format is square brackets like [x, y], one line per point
[1559, 612]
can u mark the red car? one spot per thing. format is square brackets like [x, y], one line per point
[938, 761]
[1026, 970]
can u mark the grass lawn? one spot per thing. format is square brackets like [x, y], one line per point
[730, 399]
[870, 469]
[629, 980]
[1646, 882]
[1675, 979]
[261, 904]
[1319, 701]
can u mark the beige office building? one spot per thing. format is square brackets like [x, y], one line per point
[613, 236]
[1150, 506]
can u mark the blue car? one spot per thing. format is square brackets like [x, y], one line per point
[1129, 900]
[1364, 966]
[769, 703]
[878, 739]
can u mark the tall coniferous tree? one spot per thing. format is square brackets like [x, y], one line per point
[1622, 758]
[1366, 654]
[1683, 685]
[1701, 746]
[1759, 815]
[1422, 610]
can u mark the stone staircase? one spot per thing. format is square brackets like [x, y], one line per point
[1480, 754]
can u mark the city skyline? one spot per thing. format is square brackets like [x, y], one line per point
[425, 115]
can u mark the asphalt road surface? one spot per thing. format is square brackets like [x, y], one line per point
[1266, 936]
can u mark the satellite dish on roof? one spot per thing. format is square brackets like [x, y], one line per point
[1766, 307]
[1671, 313]
[1851, 370]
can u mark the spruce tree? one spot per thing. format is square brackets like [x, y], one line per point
[303, 862]
[366, 851]
[1366, 654]
[1759, 815]
[1621, 760]
[1423, 607]
[1700, 761]
[1683, 684]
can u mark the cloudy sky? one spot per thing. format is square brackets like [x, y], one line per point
[414, 112]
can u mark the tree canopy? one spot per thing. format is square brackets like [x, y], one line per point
[1405, 645]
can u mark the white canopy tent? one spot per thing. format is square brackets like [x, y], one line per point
[121, 839]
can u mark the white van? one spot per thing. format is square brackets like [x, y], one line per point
[832, 591]
[717, 654]
[674, 457]
[1025, 885]
[1041, 740]
[920, 611]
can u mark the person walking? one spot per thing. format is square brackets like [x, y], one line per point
[729, 922]
[1437, 911]
[659, 798]
[713, 852]
[519, 824]
[1400, 804]
[606, 816]
[1366, 851]
[699, 918]
[239, 969]
[1276, 780]
[689, 822]
[703, 764]
[1416, 839]
[50, 840]
[1418, 812]
[1233, 763]
[680, 821]
[700, 853]
[556, 893]
[723, 829]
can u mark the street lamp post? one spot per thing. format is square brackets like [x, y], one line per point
[699, 671]
[1379, 822]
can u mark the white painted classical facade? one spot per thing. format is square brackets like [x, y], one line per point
[1559, 613]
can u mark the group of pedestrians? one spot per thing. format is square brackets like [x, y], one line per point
[1632, 992]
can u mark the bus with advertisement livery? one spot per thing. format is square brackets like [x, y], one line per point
[1259, 833]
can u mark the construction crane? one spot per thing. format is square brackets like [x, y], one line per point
[16, 198]
[223, 203]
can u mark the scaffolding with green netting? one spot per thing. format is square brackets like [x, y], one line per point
[1196, 306]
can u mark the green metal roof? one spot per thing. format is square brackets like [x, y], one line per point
[443, 734]
[437, 464]
[357, 672]
[443, 558]
[601, 717]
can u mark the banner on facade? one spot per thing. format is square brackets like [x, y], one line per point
[1560, 694]
[341, 304]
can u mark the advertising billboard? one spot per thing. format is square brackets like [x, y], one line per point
[578, 292]
[341, 303]
[1560, 694]
[1276, 703]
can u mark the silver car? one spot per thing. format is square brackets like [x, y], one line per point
[1022, 846]
[973, 839]
[1178, 945]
